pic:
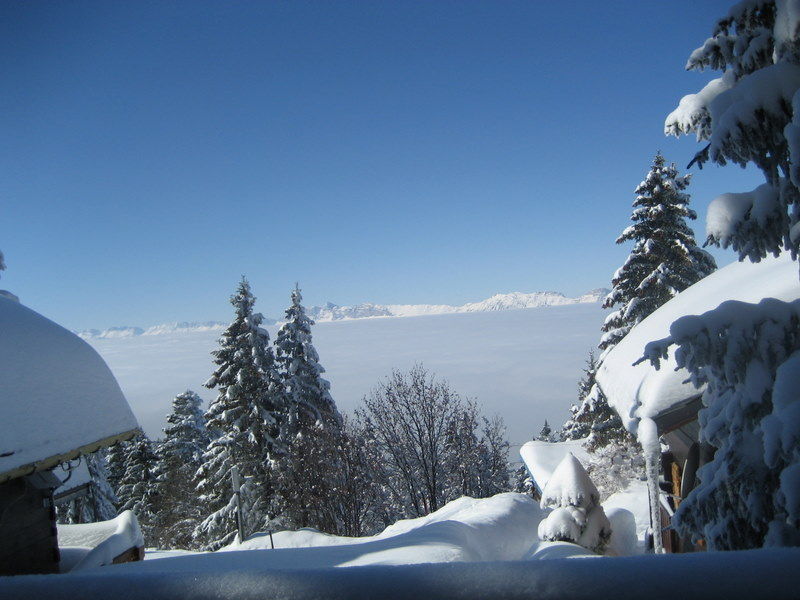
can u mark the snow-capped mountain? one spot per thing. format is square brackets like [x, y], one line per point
[181, 327]
[366, 310]
[510, 301]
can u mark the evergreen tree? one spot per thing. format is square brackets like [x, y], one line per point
[579, 424]
[245, 424]
[665, 259]
[545, 434]
[307, 392]
[115, 466]
[137, 489]
[746, 355]
[180, 456]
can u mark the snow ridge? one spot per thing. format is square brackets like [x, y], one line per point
[366, 310]
[509, 301]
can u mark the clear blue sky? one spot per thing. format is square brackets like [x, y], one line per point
[415, 152]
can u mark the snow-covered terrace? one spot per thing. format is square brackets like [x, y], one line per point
[639, 391]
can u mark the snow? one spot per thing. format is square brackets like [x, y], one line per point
[570, 485]
[637, 391]
[726, 212]
[516, 363]
[91, 545]
[626, 508]
[56, 393]
[72, 478]
[509, 301]
[542, 458]
[708, 575]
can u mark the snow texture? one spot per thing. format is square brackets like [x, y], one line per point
[570, 486]
[56, 393]
[91, 545]
[249, 576]
[542, 458]
[639, 390]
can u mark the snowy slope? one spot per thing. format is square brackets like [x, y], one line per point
[522, 364]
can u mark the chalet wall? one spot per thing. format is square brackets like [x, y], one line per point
[28, 538]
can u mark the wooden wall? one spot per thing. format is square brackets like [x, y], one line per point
[28, 537]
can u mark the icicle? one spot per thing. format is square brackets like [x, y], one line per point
[648, 438]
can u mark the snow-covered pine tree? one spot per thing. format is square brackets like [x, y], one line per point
[307, 391]
[245, 424]
[494, 473]
[138, 491]
[577, 515]
[115, 466]
[545, 434]
[180, 456]
[664, 260]
[579, 424]
[750, 114]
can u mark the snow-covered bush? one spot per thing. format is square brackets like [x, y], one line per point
[748, 355]
[577, 516]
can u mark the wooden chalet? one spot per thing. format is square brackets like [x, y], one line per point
[58, 401]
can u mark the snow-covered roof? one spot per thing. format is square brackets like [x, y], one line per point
[642, 391]
[542, 458]
[58, 399]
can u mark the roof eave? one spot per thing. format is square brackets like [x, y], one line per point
[52, 461]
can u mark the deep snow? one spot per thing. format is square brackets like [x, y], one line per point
[521, 364]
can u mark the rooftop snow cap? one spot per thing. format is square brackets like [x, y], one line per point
[58, 398]
[640, 391]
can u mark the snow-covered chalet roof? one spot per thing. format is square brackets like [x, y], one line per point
[542, 458]
[58, 398]
[642, 391]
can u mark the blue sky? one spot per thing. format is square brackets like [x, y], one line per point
[414, 152]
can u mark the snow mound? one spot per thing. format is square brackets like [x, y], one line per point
[90, 545]
[502, 527]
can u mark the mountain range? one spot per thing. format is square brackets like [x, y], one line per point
[334, 312]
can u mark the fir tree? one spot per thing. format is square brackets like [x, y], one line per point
[664, 260]
[179, 458]
[746, 354]
[245, 423]
[307, 392]
[545, 434]
[137, 489]
[115, 465]
[579, 424]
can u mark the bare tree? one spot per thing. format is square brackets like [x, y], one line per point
[407, 417]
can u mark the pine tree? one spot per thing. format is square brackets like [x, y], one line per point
[579, 424]
[307, 392]
[664, 260]
[180, 456]
[545, 434]
[245, 424]
[115, 466]
[138, 490]
[747, 354]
